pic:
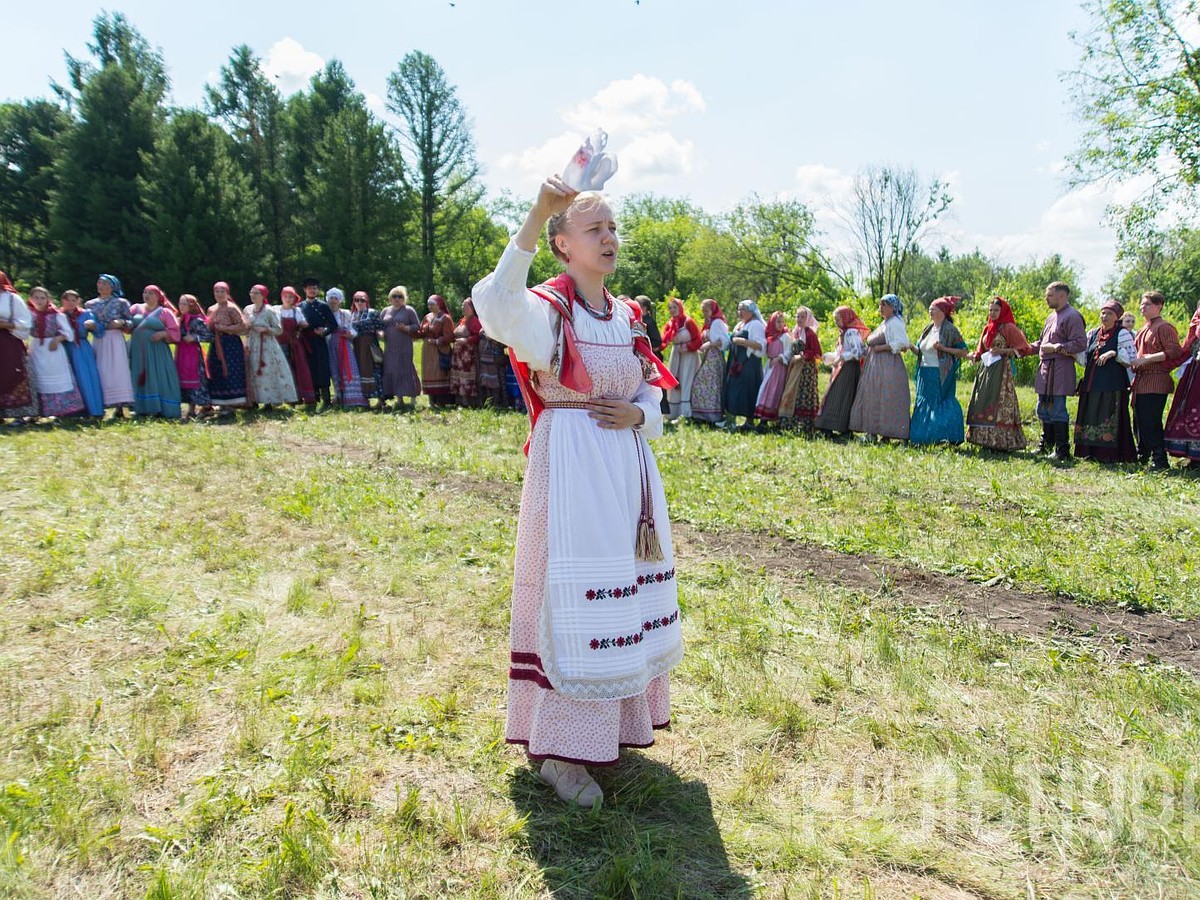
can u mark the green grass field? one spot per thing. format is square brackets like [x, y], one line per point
[267, 658]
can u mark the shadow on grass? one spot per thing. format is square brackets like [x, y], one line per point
[655, 836]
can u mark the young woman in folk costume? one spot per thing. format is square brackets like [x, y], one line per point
[846, 359]
[367, 352]
[937, 415]
[437, 328]
[291, 341]
[800, 399]
[343, 367]
[464, 357]
[683, 336]
[111, 310]
[156, 389]
[49, 365]
[779, 356]
[189, 356]
[708, 386]
[595, 617]
[270, 381]
[79, 351]
[993, 415]
[226, 354]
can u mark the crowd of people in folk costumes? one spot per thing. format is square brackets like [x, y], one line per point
[107, 353]
[765, 373]
[308, 349]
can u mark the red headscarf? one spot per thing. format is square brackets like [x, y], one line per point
[947, 305]
[360, 295]
[846, 318]
[6, 285]
[775, 325]
[224, 284]
[993, 326]
[1104, 335]
[440, 302]
[163, 300]
[679, 323]
[265, 291]
[290, 291]
[466, 315]
[717, 314]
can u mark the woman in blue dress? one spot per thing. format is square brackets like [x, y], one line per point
[937, 415]
[79, 351]
[155, 381]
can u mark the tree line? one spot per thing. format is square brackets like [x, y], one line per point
[107, 174]
[252, 186]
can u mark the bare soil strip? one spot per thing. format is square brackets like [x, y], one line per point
[1126, 635]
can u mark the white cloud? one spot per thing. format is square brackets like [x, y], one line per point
[1074, 226]
[376, 104]
[1042, 145]
[657, 154]
[291, 65]
[637, 113]
[634, 104]
[822, 186]
[539, 160]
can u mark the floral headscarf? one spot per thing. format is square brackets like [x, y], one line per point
[116, 284]
[895, 303]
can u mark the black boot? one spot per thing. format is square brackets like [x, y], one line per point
[1062, 441]
[1158, 460]
[1047, 441]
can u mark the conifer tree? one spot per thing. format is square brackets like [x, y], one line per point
[97, 217]
[30, 133]
[201, 213]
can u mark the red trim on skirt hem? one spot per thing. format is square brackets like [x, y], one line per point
[542, 757]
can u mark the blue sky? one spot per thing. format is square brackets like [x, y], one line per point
[703, 99]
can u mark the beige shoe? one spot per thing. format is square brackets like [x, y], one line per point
[572, 783]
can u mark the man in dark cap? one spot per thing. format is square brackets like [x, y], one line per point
[321, 323]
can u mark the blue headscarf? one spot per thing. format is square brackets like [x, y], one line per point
[894, 302]
[752, 306]
[116, 284]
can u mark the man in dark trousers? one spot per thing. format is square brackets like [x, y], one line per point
[1063, 336]
[1158, 351]
[321, 323]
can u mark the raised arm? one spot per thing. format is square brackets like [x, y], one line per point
[508, 312]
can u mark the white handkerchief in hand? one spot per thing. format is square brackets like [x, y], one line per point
[989, 358]
[591, 166]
